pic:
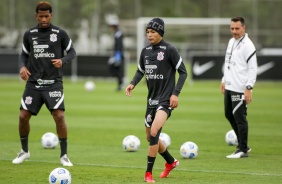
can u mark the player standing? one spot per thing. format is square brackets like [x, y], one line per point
[240, 72]
[41, 65]
[159, 62]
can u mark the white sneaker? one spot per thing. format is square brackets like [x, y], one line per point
[65, 161]
[21, 157]
[237, 154]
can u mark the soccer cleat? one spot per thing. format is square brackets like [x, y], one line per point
[168, 168]
[149, 178]
[238, 154]
[21, 157]
[65, 161]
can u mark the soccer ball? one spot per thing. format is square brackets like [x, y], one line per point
[165, 139]
[60, 176]
[49, 140]
[231, 138]
[189, 150]
[131, 143]
[89, 86]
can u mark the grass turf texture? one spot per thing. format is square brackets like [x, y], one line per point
[99, 120]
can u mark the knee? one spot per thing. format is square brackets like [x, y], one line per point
[24, 116]
[58, 116]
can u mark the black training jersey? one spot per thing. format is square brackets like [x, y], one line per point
[40, 46]
[159, 64]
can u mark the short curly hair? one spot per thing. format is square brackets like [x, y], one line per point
[43, 6]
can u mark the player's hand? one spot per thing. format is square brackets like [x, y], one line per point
[173, 101]
[128, 89]
[248, 96]
[58, 63]
[222, 88]
[24, 73]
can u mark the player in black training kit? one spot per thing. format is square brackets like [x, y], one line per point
[41, 65]
[159, 62]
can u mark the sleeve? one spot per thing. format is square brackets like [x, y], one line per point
[140, 71]
[68, 47]
[24, 55]
[181, 69]
[252, 65]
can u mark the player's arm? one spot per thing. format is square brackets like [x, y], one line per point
[181, 69]
[68, 47]
[23, 58]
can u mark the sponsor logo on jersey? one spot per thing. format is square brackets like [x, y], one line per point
[35, 42]
[55, 30]
[153, 102]
[39, 51]
[149, 69]
[55, 94]
[160, 56]
[53, 37]
[28, 100]
[45, 82]
[34, 30]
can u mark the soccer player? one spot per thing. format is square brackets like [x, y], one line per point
[159, 62]
[240, 72]
[41, 65]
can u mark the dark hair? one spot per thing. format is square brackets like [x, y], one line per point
[240, 19]
[43, 6]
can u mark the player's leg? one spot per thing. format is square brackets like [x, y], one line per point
[228, 110]
[24, 128]
[171, 162]
[240, 114]
[31, 103]
[54, 101]
[150, 160]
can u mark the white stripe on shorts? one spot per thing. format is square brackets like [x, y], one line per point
[59, 102]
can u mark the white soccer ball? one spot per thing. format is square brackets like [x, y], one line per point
[131, 143]
[89, 86]
[231, 138]
[49, 140]
[165, 139]
[189, 150]
[60, 176]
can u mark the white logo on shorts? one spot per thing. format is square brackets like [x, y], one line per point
[149, 118]
[28, 100]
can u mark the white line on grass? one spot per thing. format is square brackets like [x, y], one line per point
[178, 169]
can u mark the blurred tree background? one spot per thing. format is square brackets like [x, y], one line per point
[85, 21]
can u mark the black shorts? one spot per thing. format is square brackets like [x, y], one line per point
[151, 113]
[32, 100]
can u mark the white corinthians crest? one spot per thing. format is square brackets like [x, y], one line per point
[28, 100]
[53, 37]
[160, 56]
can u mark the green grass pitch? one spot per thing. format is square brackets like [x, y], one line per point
[99, 120]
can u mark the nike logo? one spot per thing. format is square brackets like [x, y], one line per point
[34, 38]
[200, 69]
[146, 56]
[263, 68]
[57, 99]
